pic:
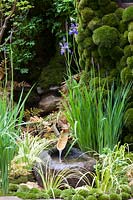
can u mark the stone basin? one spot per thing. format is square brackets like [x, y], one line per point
[75, 160]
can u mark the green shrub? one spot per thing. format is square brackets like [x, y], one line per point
[130, 37]
[103, 51]
[122, 26]
[123, 41]
[105, 36]
[82, 4]
[114, 196]
[128, 14]
[88, 43]
[125, 187]
[13, 187]
[128, 120]
[110, 20]
[109, 8]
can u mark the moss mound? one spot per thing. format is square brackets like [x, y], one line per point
[105, 36]
[128, 14]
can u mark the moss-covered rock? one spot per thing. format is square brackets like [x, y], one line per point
[87, 14]
[128, 14]
[104, 197]
[106, 36]
[128, 120]
[110, 20]
[130, 62]
[126, 75]
[23, 188]
[114, 196]
[130, 37]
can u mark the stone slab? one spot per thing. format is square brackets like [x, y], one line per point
[9, 198]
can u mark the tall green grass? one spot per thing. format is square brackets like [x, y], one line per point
[10, 120]
[95, 114]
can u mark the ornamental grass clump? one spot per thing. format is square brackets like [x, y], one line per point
[95, 114]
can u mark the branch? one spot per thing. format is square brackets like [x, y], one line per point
[2, 30]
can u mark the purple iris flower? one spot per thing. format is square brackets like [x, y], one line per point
[73, 29]
[64, 47]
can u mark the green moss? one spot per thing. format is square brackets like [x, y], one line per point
[94, 23]
[128, 14]
[87, 14]
[123, 41]
[128, 121]
[93, 4]
[77, 196]
[54, 192]
[125, 196]
[81, 63]
[103, 52]
[109, 8]
[130, 37]
[67, 193]
[130, 26]
[122, 64]
[129, 140]
[105, 36]
[29, 195]
[116, 53]
[126, 75]
[83, 192]
[13, 187]
[80, 36]
[103, 2]
[128, 51]
[104, 197]
[86, 53]
[130, 62]
[115, 196]
[82, 4]
[99, 13]
[91, 197]
[119, 12]
[125, 187]
[88, 43]
[110, 20]
[122, 26]
[53, 74]
[23, 188]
